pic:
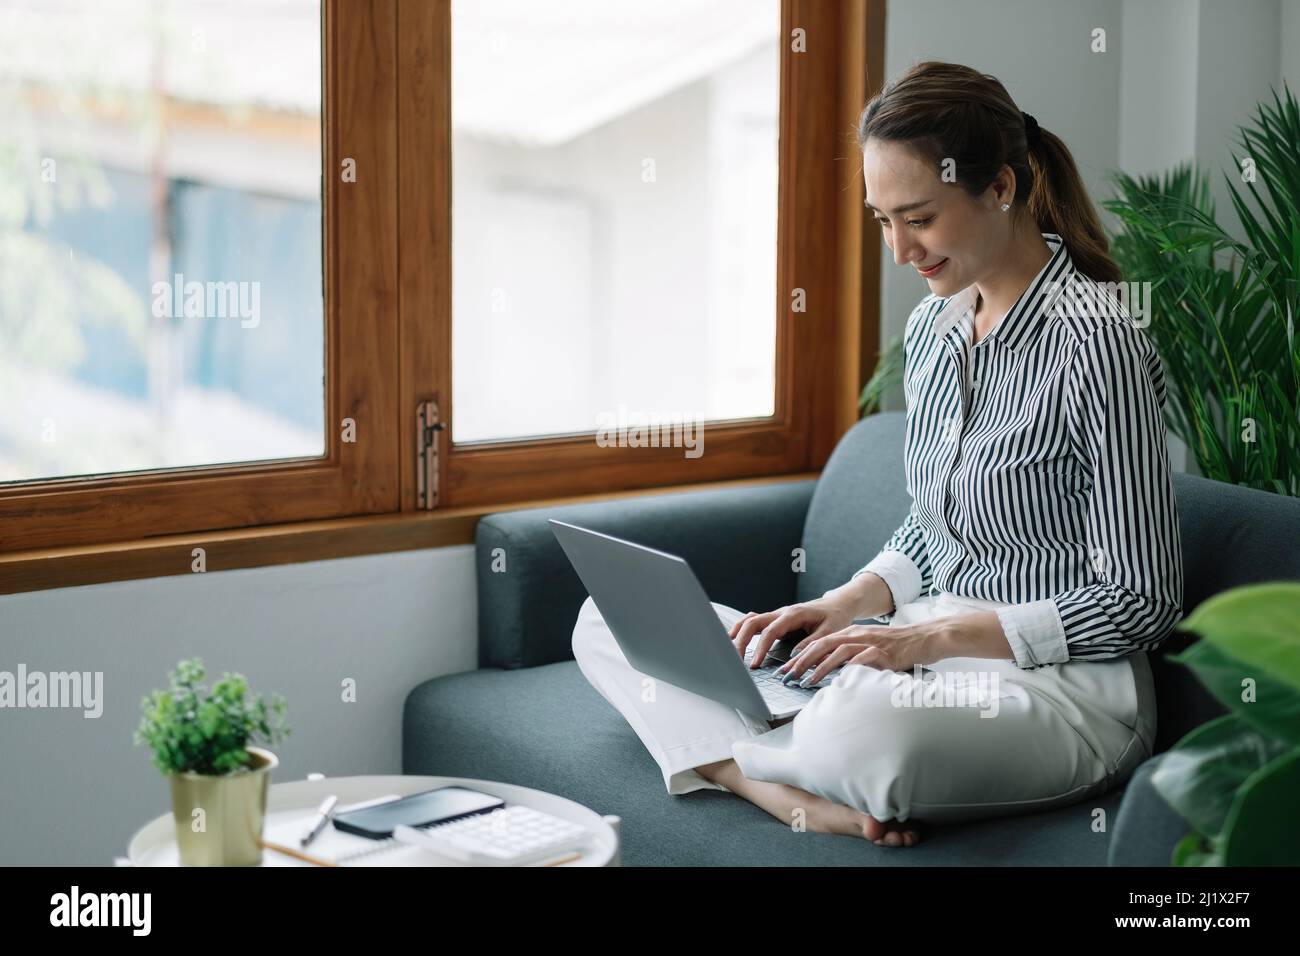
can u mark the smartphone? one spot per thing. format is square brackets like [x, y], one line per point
[418, 810]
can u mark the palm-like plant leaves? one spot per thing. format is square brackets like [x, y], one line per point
[1223, 309]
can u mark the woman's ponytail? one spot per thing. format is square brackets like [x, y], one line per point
[1059, 203]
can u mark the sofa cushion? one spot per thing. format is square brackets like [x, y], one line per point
[1147, 828]
[546, 727]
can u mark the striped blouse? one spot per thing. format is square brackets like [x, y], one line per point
[1038, 471]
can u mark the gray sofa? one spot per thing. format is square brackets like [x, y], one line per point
[528, 716]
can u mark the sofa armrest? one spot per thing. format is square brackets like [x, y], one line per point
[737, 540]
[1146, 827]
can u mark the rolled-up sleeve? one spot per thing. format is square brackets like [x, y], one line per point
[903, 563]
[1134, 557]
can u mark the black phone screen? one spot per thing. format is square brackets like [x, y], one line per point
[417, 810]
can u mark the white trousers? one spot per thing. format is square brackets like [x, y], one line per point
[979, 738]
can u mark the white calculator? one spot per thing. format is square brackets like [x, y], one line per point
[510, 836]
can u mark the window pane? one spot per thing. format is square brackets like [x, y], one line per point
[614, 213]
[160, 235]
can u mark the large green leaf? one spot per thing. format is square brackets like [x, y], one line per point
[1272, 706]
[1263, 827]
[1200, 775]
[1258, 624]
[889, 371]
[1191, 851]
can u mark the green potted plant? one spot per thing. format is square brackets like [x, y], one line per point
[1235, 778]
[203, 742]
[1222, 309]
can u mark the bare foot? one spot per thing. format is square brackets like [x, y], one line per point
[829, 817]
[820, 815]
[890, 832]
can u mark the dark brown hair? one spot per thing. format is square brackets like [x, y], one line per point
[949, 111]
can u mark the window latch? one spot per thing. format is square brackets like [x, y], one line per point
[427, 427]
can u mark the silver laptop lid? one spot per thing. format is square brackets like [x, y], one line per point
[659, 614]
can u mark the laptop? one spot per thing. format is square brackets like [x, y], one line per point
[662, 619]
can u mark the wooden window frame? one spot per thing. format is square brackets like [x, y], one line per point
[388, 335]
[360, 229]
[820, 250]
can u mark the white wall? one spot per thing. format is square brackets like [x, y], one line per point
[1157, 108]
[1288, 36]
[74, 789]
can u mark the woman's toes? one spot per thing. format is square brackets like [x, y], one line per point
[896, 835]
[890, 832]
[872, 828]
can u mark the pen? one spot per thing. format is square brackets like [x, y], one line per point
[289, 851]
[326, 808]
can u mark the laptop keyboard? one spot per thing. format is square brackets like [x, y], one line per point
[776, 692]
[780, 696]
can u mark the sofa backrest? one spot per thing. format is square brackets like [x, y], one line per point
[1231, 536]
[860, 499]
[738, 541]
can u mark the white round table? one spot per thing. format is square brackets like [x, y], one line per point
[155, 843]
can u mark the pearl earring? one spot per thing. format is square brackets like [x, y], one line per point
[1006, 206]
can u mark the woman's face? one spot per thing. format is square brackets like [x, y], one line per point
[931, 223]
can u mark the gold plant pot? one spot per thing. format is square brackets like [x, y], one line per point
[229, 830]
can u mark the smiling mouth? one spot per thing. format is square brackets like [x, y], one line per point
[933, 269]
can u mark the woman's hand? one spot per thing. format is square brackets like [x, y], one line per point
[876, 645]
[820, 617]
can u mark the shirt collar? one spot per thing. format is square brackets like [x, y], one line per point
[1017, 327]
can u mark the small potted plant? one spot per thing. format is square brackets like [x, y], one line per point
[203, 743]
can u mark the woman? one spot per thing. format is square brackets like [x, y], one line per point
[1040, 559]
